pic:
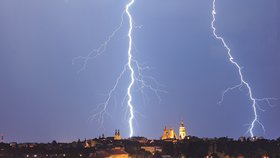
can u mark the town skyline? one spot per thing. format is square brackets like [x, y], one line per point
[168, 133]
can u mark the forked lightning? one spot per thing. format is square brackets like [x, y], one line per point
[254, 100]
[132, 67]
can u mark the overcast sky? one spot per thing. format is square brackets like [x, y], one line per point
[43, 98]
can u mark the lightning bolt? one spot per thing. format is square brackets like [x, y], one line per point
[129, 101]
[254, 100]
[131, 66]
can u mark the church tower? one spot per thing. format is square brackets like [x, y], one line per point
[182, 131]
[172, 134]
[165, 134]
[117, 135]
[2, 138]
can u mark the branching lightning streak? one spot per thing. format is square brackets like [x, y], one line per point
[242, 81]
[129, 101]
[103, 111]
[94, 53]
[132, 66]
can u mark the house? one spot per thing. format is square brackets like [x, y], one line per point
[113, 153]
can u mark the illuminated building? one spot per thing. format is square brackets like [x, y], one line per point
[169, 134]
[152, 149]
[182, 131]
[90, 143]
[117, 135]
[172, 134]
[165, 134]
[114, 153]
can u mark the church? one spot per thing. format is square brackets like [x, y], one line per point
[117, 135]
[169, 134]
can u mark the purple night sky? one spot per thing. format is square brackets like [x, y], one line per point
[43, 98]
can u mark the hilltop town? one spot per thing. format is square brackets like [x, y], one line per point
[170, 145]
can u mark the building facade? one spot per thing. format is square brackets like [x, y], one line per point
[117, 135]
[182, 131]
[169, 134]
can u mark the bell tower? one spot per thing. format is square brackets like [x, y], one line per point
[182, 131]
[117, 135]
